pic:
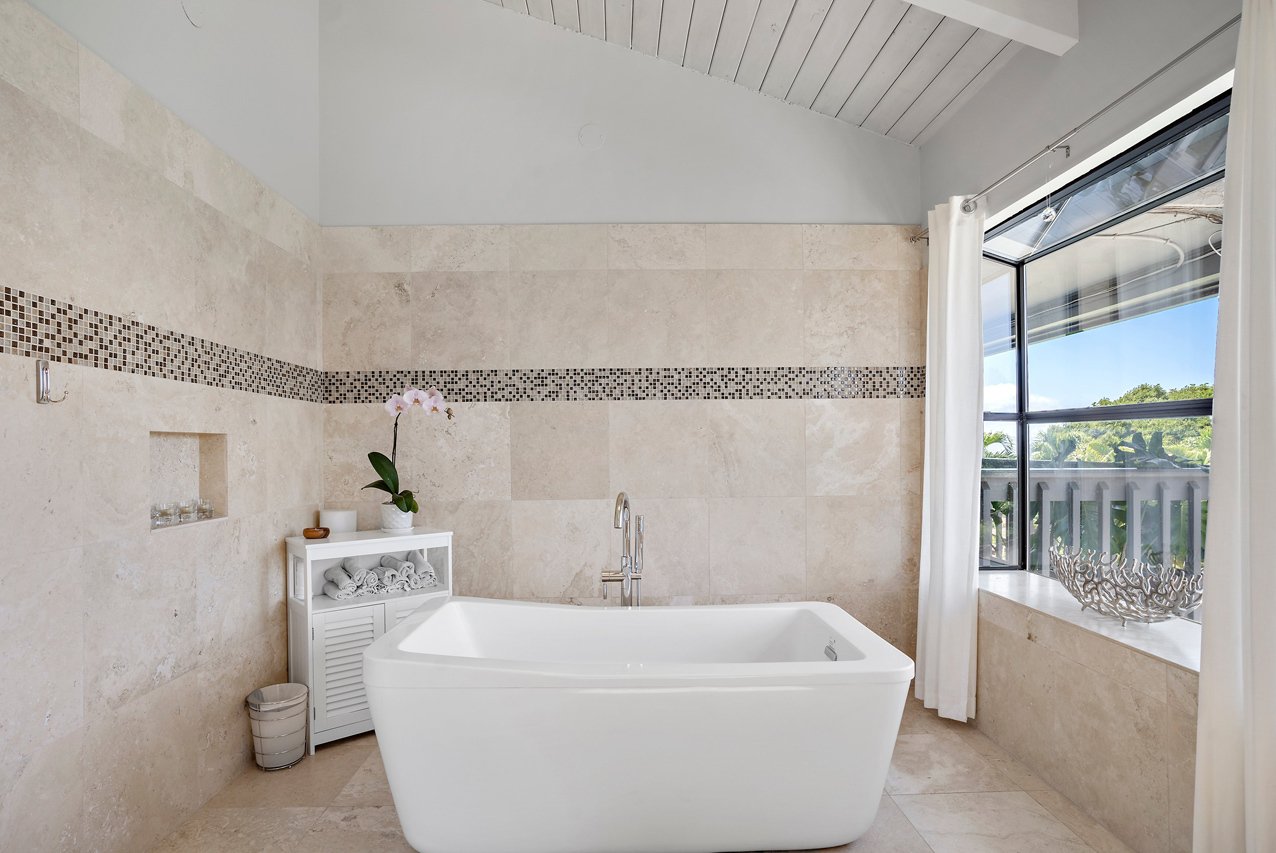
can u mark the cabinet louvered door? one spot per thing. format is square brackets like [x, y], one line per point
[396, 613]
[340, 637]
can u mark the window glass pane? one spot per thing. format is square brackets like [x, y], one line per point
[1129, 314]
[1198, 154]
[1136, 488]
[998, 522]
[1001, 385]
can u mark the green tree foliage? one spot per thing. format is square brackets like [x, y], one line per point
[1152, 443]
[999, 445]
[1146, 393]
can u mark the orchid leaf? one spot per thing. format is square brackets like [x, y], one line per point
[383, 466]
[410, 499]
[379, 484]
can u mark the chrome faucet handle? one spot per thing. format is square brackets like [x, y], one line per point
[610, 578]
[637, 559]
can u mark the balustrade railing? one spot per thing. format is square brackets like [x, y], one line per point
[1074, 508]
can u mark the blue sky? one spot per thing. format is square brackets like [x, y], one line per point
[1173, 348]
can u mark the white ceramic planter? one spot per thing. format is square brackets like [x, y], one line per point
[395, 520]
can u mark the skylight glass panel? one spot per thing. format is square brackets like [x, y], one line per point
[1199, 153]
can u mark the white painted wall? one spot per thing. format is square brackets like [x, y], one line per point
[426, 111]
[458, 111]
[247, 79]
[455, 111]
[1037, 98]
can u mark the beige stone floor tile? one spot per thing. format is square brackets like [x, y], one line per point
[1085, 827]
[941, 763]
[1020, 775]
[370, 829]
[981, 743]
[368, 786]
[1002, 760]
[993, 822]
[890, 833]
[315, 781]
[918, 720]
[250, 830]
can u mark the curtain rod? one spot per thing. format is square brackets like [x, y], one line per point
[972, 202]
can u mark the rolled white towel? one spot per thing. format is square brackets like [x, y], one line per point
[338, 576]
[423, 569]
[386, 575]
[403, 567]
[335, 592]
[370, 584]
[395, 581]
[351, 567]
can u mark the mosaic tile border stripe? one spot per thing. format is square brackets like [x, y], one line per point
[38, 327]
[630, 383]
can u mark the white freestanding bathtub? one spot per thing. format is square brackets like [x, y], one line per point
[509, 727]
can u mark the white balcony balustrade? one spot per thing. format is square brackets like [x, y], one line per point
[1059, 493]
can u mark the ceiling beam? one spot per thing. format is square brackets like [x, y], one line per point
[1049, 25]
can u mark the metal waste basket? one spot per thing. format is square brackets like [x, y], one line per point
[278, 717]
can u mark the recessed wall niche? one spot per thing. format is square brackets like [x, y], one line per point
[188, 478]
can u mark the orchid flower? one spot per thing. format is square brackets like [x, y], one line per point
[434, 401]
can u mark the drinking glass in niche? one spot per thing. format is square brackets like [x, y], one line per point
[163, 514]
[184, 512]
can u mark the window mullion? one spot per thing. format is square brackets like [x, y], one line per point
[1021, 301]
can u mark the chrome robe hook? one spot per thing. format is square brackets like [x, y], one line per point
[42, 383]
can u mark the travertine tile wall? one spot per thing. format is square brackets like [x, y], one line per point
[745, 500]
[127, 654]
[1112, 729]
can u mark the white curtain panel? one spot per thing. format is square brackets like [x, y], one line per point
[1236, 724]
[948, 596]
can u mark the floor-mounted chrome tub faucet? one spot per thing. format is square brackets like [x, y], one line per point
[630, 575]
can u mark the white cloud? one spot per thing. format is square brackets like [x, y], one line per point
[1004, 396]
[1001, 397]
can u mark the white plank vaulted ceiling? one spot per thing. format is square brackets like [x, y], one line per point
[884, 65]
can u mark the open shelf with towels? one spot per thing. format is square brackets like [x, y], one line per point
[326, 636]
[324, 604]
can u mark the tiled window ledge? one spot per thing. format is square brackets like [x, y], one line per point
[1176, 642]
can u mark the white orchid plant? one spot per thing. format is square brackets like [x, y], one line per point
[433, 403]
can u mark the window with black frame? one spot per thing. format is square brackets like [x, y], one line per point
[1100, 316]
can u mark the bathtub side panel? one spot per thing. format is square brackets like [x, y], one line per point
[559, 770]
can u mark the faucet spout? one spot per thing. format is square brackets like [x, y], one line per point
[622, 508]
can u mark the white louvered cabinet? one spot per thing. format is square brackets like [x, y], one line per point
[326, 638]
[339, 640]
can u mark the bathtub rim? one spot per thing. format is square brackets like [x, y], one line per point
[386, 666]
